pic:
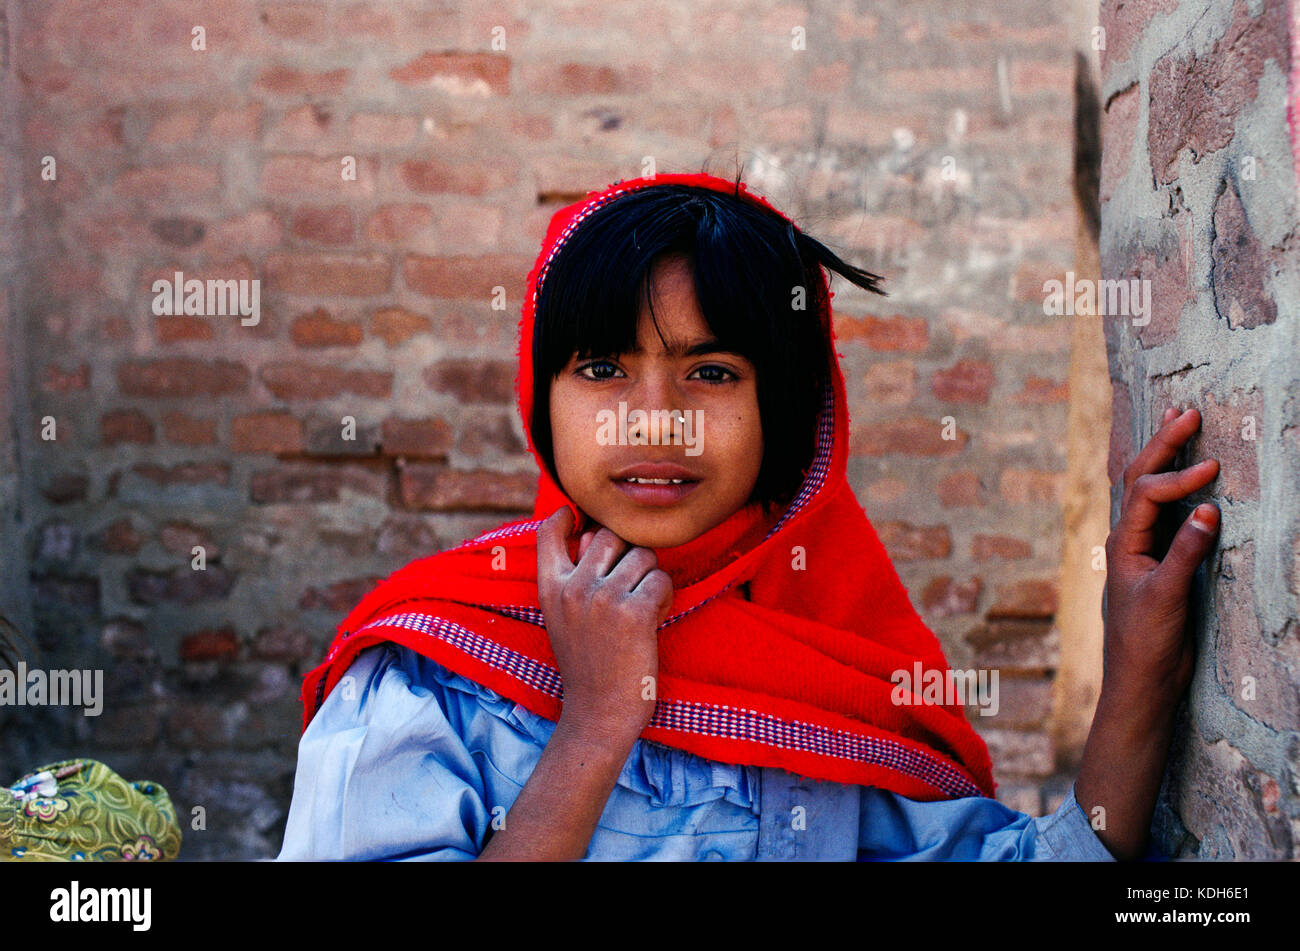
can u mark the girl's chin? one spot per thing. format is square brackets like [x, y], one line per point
[652, 530]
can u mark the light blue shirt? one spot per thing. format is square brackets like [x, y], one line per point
[409, 761]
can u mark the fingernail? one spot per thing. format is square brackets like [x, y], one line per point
[1203, 518]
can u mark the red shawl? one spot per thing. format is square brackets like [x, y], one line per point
[798, 676]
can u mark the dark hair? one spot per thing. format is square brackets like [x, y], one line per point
[748, 265]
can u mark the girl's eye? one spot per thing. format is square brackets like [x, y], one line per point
[605, 370]
[712, 369]
[596, 364]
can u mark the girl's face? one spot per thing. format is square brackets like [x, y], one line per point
[665, 407]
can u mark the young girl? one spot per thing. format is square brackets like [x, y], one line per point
[692, 651]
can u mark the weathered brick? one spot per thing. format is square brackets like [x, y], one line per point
[288, 381]
[917, 436]
[417, 437]
[266, 432]
[319, 329]
[396, 325]
[125, 426]
[392, 223]
[434, 487]
[459, 74]
[985, 547]
[189, 430]
[961, 488]
[330, 225]
[339, 597]
[884, 333]
[1031, 487]
[286, 81]
[1032, 598]
[181, 376]
[907, 542]
[473, 380]
[943, 597]
[322, 275]
[1241, 269]
[120, 538]
[892, 383]
[173, 328]
[314, 483]
[433, 175]
[58, 380]
[966, 381]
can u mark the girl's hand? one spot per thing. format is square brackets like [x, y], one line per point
[1147, 650]
[602, 617]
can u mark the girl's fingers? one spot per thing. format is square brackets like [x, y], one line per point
[1163, 447]
[583, 542]
[1135, 530]
[552, 552]
[1193, 542]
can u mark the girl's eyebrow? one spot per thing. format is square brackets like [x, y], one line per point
[710, 345]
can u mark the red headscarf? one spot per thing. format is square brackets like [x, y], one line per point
[796, 677]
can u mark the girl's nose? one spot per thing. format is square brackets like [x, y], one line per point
[658, 395]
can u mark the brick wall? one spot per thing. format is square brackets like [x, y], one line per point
[926, 142]
[1199, 197]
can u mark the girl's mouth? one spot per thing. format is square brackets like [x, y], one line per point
[656, 491]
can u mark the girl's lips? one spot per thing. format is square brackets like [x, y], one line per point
[650, 494]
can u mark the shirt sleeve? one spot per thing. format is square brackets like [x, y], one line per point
[383, 775]
[973, 829]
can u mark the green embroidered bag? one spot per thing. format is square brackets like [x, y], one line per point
[80, 810]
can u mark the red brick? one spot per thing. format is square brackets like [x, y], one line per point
[189, 430]
[586, 79]
[285, 81]
[469, 276]
[187, 473]
[236, 122]
[959, 489]
[309, 123]
[188, 182]
[58, 380]
[1221, 437]
[182, 537]
[325, 274]
[491, 433]
[379, 128]
[1119, 131]
[1014, 644]
[125, 426]
[1241, 268]
[1033, 598]
[1124, 22]
[884, 333]
[319, 329]
[417, 437]
[917, 436]
[171, 328]
[398, 222]
[296, 21]
[283, 644]
[309, 381]
[339, 597]
[944, 598]
[907, 542]
[309, 174]
[1031, 486]
[473, 380]
[181, 376]
[433, 175]
[266, 432]
[314, 483]
[1195, 100]
[396, 325]
[433, 487]
[892, 383]
[65, 487]
[984, 547]
[121, 538]
[966, 381]
[332, 225]
[211, 644]
[1039, 390]
[476, 74]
